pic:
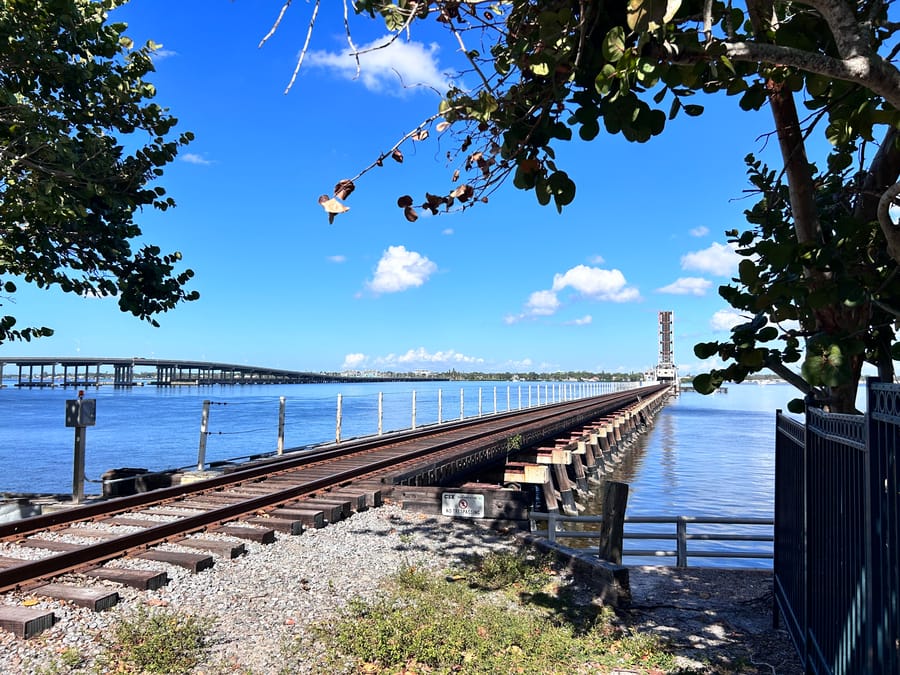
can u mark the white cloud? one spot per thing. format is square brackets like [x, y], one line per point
[596, 260]
[412, 359]
[447, 231]
[586, 320]
[596, 283]
[718, 259]
[592, 283]
[337, 258]
[701, 231]
[421, 355]
[160, 54]
[542, 303]
[354, 361]
[193, 158]
[391, 69]
[725, 319]
[687, 286]
[399, 270]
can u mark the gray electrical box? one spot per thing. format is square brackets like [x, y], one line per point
[81, 412]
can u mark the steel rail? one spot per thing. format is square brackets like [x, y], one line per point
[380, 457]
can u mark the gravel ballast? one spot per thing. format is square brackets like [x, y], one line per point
[259, 603]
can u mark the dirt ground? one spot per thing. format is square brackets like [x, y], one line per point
[716, 621]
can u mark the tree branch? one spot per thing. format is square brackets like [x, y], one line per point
[309, 31]
[891, 197]
[844, 27]
[881, 77]
[789, 375]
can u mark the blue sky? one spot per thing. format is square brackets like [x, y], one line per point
[507, 286]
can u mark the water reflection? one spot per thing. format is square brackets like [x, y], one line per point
[704, 456]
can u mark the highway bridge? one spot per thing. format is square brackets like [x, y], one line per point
[81, 371]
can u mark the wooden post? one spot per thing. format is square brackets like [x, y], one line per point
[281, 425]
[612, 529]
[204, 432]
[551, 496]
[78, 465]
[570, 508]
[580, 475]
[681, 559]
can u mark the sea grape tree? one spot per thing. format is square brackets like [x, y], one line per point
[73, 94]
[822, 251]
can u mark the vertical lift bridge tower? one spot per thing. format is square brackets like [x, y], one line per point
[666, 370]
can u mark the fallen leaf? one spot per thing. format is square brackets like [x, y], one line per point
[30, 602]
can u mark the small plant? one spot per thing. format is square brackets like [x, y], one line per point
[426, 623]
[514, 443]
[413, 578]
[157, 642]
[510, 569]
[69, 660]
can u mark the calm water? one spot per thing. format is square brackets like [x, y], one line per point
[705, 455]
[158, 428]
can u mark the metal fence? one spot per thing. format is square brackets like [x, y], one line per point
[720, 536]
[836, 527]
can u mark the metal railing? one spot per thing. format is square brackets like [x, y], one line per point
[837, 551]
[679, 534]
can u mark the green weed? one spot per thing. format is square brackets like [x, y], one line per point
[432, 623]
[156, 642]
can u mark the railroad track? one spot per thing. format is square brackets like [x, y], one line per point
[288, 494]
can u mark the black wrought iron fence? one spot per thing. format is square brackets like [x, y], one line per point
[836, 527]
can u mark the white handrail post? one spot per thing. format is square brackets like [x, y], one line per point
[204, 432]
[281, 425]
[479, 401]
[495, 400]
[462, 406]
[508, 406]
[413, 409]
[440, 406]
[340, 415]
[380, 412]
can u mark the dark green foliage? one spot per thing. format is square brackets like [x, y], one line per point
[73, 94]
